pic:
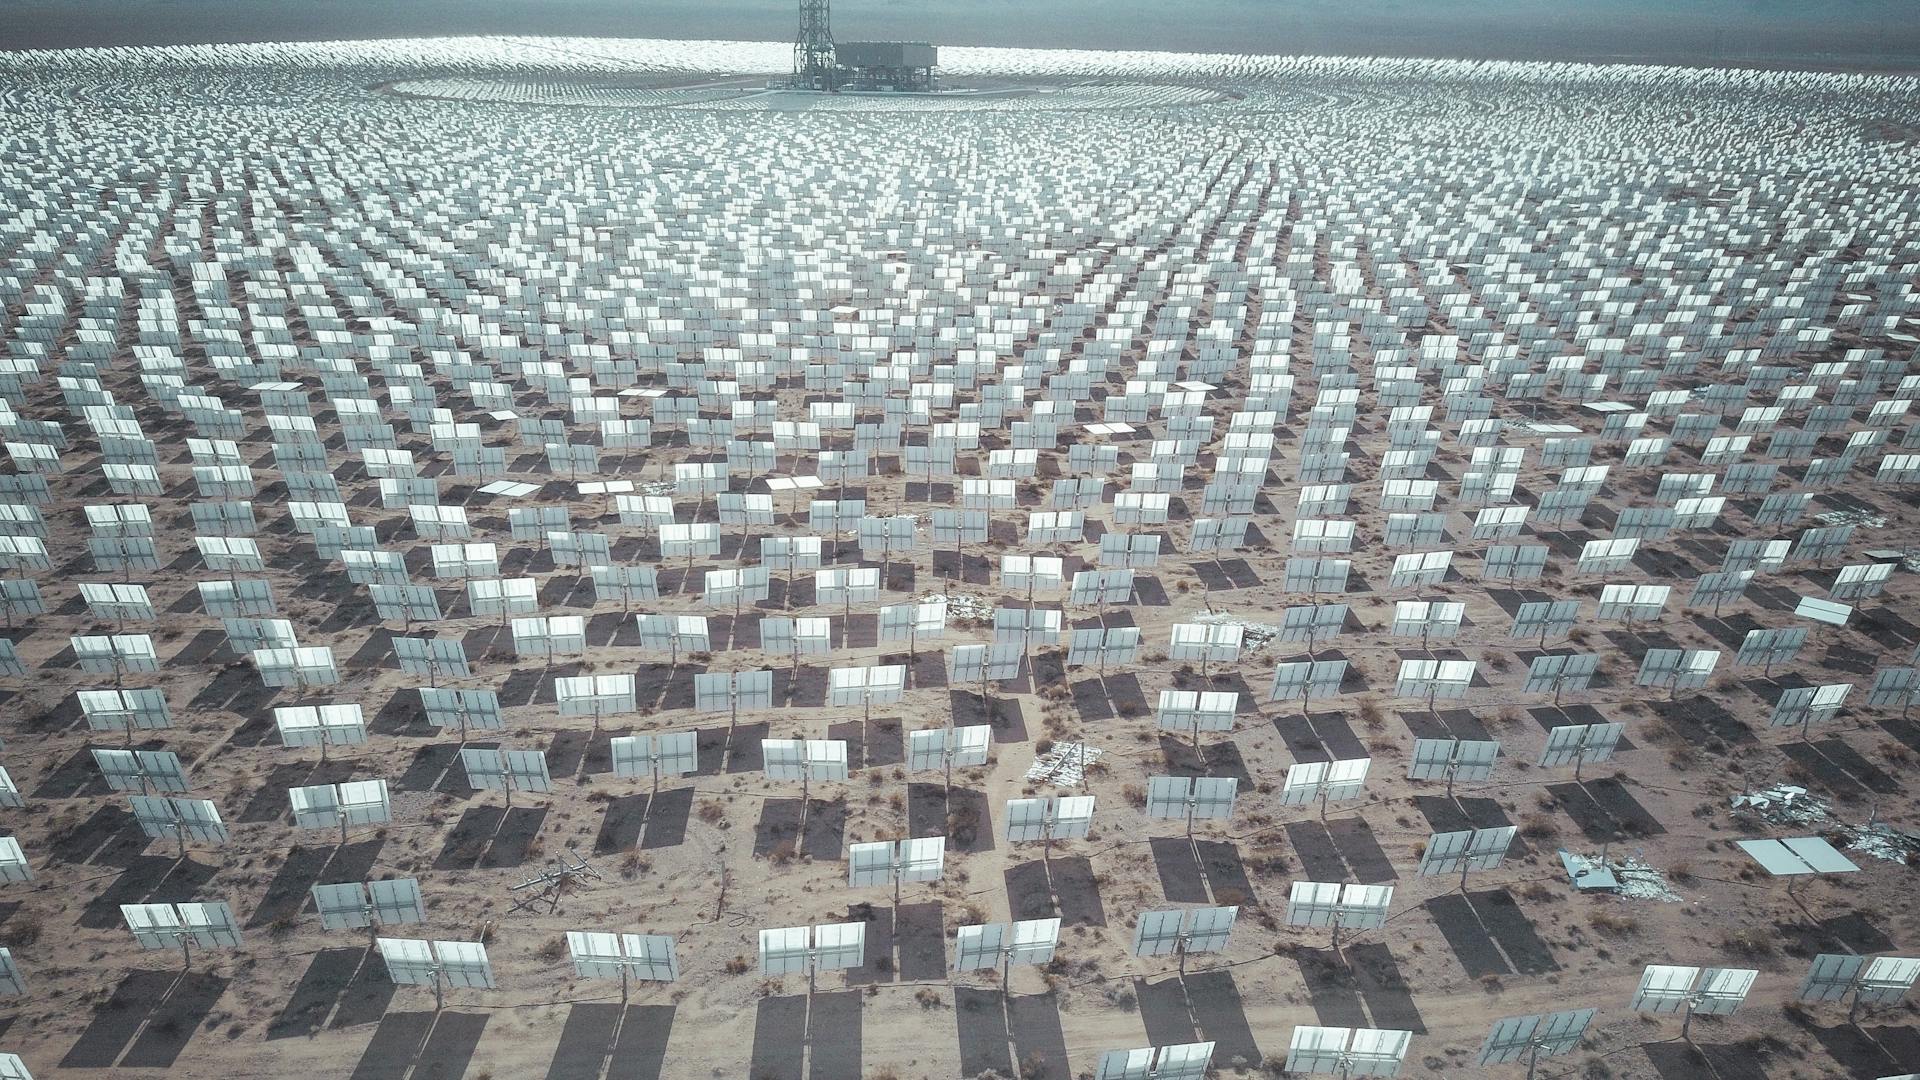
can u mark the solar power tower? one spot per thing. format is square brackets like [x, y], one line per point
[813, 63]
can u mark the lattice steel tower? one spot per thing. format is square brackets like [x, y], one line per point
[813, 63]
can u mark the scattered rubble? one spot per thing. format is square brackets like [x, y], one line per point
[1064, 764]
[1787, 805]
[961, 607]
[1253, 634]
[1639, 881]
[1852, 517]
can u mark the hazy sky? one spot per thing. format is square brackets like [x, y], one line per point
[1832, 33]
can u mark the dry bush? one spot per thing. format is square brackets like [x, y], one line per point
[1268, 861]
[1747, 943]
[1370, 714]
[963, 824]
[20, 931]
[1609, 922]
[1539, 827]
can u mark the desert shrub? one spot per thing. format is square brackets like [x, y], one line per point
[963, 824]
[1539, 827]
[1370, 714]
[1748, 943]
[1614, 923]
[20, 931]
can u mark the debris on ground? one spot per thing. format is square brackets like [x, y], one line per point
[1852, 517]
[1252, 634]
[1882, 841]
[1633, 878]
[1640, 881]
[961, 607]
[1784, 804]
[1064, 764]
[1790, 806]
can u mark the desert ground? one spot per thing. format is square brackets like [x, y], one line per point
[404, 223]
